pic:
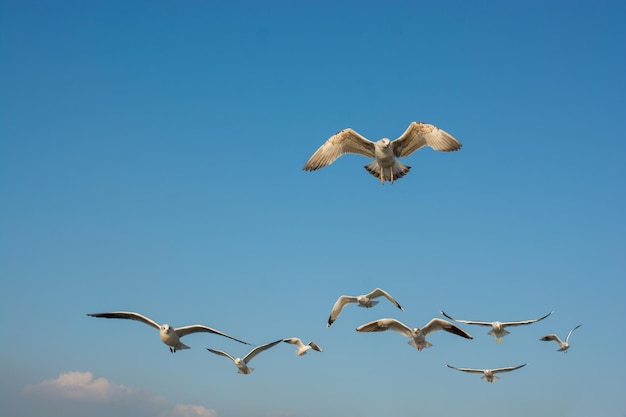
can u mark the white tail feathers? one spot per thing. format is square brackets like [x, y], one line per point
[398, 170]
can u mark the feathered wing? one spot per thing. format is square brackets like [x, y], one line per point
[551, 337]
[259, 349]
[345, 141]
[523, 322]
[382, 325]
[315, 346]
[294, 341]
[129, 315]
[472, 370]
[379, 292]
[219, 352]
[508, 369]
[338, 306]
[196, 328]
[418, 135]
[570, 333]
[480, 323]
[440, 324]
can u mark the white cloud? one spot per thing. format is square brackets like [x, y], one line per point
[83, 387]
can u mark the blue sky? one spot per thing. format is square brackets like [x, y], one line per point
[151, 160]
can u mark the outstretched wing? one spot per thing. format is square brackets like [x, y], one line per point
[294, 341]
[129, 315]
[550, 337]
[570, 333]
[480, 323]
[196, 328]
[379, 292]
[259, 349]
[382, 325]
[523, 322]
[418, 135]
[315, 346]
[338, 306]
[219, 352]
[508, 369]
[440, 324]
[472, 370]
[345, 141]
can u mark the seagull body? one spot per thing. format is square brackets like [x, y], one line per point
[302, 348]
[417, 335]
[242, 363]
[488, 374]
[384, 152]
[169, 335]
[563, 346]
[365, 300]
[497, 328]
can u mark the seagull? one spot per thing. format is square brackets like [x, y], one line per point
[302, 348]
[385, 166]
[417, 335]
[169, 335]
[242, 364]
[488, 374]
[563, 346]
[497, 328]
[364, 300]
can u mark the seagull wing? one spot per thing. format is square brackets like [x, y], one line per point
[345, 141]
[315, 346]
[523, 322]
[196, 328]
[294, 341]
[418, 135]
[570, 333]
[382, 325]
[127, 315]
[259, 349]
[219, 352]
[440, 324]
[480, 323]
[508, 369]
[379, 292]
[472, 370]
[339, 304]
[550, 337]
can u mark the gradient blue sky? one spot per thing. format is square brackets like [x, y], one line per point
[151, 160]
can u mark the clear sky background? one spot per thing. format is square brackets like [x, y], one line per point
[151, 160]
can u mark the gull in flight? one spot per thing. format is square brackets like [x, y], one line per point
[497, 327]
[242, 363]
[488, 374]
[302, 348]
[385, 151]
[417, 335]
[365, 300]
[563, 346]
[169, 335]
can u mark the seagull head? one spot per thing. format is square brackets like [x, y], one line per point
[384, 142]
[166, 328]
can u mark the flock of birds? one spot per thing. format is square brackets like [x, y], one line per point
[171, 336]
[385, 167]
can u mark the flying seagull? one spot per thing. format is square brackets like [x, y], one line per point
[365, 300]
[169, 335]
[488, 374]
[497, 327]
[417, 335]
[302, 348]
[242, 364]
[563, 346]
[385, 151]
